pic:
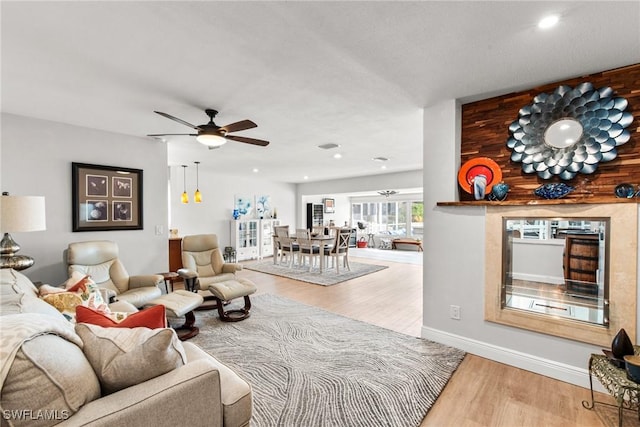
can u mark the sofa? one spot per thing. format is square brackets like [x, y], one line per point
[48, 375]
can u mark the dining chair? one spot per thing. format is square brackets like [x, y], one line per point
[288, 247]
[281, 230]
[302, 233]
[339, 249]
[308, 249]
[317, 229]
[278, 232]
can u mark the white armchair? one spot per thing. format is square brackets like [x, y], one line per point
[99, 259]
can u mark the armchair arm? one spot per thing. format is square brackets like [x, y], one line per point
[229, 267]
[108, 295]
[185, 273]
[191, 392]
[145, 280]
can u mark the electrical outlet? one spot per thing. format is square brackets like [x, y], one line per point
[454, 312]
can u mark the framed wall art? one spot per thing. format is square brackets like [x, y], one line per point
[329, 205]
[106, 198]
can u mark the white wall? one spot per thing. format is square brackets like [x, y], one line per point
[36, 160]
[214, 214]
[454, 269]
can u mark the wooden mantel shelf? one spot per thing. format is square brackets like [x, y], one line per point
[540, 202]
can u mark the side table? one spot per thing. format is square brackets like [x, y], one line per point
[614, 379]
[169, 278]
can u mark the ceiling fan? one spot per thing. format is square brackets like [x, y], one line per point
[212, 135]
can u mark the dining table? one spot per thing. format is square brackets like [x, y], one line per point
[322, 240]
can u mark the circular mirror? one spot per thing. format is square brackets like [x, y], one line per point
[591, 126]
[563, 133]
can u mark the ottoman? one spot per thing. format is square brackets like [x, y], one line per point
[181, 303]
[231, 289]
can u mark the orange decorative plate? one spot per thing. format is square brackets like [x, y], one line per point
[479, 166]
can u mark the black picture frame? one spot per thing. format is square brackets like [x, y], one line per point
[106, 198]
[329, 205]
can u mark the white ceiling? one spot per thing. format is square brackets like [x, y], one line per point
[308, 73]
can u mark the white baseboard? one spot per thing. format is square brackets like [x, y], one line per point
[528, 362]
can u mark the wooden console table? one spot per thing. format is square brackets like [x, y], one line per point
[614, 379]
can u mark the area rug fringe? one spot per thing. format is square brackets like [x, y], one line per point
[310, 367]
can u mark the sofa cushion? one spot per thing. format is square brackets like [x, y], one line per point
[236, 395]
[13, 282]
[50, 374]
[123, 357]
[25, 303]
[152, 318]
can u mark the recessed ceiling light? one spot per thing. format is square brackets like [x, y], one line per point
[383, 167]
[548, 21]
[337, 156]
[306, 177]
[255, 170]
[328, 146]
[380, 159]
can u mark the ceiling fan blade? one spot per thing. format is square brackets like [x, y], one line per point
[238, 126]
[169, 116]
[244, 139]
[173, 134]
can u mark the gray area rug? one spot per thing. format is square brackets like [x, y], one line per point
[309, 367]
[327, 278]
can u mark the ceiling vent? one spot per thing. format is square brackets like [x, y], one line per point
[380, 159]
[328, 146]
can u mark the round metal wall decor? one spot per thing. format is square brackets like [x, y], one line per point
[569, 131]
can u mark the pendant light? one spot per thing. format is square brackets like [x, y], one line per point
[185, 196]
[197, 197]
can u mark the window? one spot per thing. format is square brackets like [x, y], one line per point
[397, 218]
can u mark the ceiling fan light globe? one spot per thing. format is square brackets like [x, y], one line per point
[211, 140]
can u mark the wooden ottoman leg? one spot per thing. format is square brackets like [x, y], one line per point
[188, 330]
[234, 315]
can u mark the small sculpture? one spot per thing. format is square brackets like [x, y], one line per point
[621, 345]
[499, 192]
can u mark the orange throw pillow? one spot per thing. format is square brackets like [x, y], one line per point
[152, 317]
[81, 285]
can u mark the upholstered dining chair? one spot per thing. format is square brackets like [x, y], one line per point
[281, 230]
[339, 249]
[288, 247]
[308, 249]
[100, 260]
[278, 232]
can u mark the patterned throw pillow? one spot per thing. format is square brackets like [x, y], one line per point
[79, 292]
[123, 357]
[152, 318]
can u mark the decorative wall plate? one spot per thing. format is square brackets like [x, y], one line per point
[479, 166]
[569, 131]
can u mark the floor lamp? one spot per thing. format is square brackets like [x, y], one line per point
[19, 214]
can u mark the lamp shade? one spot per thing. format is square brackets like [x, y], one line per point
[22, 213]
[211, 140]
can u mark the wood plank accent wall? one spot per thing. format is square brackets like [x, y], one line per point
[485, 130]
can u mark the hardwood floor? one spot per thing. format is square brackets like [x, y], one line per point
[481, 392]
